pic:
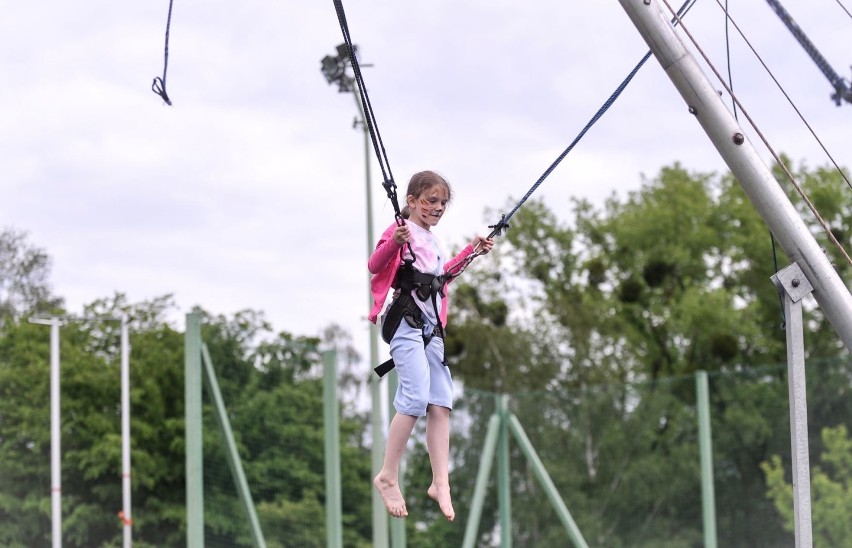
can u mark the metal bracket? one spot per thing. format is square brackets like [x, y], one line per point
[792, 281]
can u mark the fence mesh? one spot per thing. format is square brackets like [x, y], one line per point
[624, 459]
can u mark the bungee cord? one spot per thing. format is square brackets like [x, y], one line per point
[372, 125]
[839, 3]
[728, 21]
[369, 115]
[159, 84]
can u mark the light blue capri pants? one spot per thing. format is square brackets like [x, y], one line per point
[423, 377]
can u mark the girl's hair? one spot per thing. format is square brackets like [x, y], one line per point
[421, 182]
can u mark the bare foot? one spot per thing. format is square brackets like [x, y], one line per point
[441, 495]
[389, 489]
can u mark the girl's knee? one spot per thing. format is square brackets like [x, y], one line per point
[413, 401]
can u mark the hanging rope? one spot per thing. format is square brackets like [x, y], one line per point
[159, 84]
[369, 116]
[737, 118]
[844, 8]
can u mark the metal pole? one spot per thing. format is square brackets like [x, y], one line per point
[753, 175]
[398, 537]
[55, 438]
[546, 482]
[504, 474]
[335, 71]
[193, 433]
[488, 448]
[56, 424]
[380, 515]
[705, 444]
[211, 384]
[793, 286]
[333, 508]
[125, 433]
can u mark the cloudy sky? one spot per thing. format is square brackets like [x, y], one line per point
[250, 191]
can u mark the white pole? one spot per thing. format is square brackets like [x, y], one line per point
[125, 432]
[55, 438]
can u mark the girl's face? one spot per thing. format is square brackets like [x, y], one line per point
[428, 208]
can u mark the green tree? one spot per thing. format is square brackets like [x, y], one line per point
[273, 393]
[24, 273]
[669, 280]
[831, 486]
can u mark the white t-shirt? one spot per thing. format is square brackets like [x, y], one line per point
[430, 260]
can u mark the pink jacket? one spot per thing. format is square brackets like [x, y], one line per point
[384, 263]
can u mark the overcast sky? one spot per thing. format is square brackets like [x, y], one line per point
[249, 192]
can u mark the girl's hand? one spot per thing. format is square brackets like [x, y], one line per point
[401, 234]
[481, 245]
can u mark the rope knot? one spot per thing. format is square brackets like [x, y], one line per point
[499, 227]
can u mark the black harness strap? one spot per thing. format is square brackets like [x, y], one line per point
[425, 286]
[384, 368]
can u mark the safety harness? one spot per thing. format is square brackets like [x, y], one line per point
[409, 280]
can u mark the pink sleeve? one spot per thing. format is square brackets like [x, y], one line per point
[386, 250]
[456, 261]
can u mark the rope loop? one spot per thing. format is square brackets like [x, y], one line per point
[159, 87]
[159, 84]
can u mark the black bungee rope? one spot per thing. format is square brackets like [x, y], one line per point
[159, 84]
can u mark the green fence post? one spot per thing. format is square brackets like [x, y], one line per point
[547, 483]
[397, 526]
[211, 384]
[705, 444]
[377, 455]
[333, 505]
[481, 481]
[504, 474]
[193, 433]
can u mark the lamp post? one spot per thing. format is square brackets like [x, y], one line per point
[334, 68]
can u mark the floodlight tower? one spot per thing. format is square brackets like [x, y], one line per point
[335, 69]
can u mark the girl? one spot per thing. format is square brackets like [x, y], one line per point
[416, 344]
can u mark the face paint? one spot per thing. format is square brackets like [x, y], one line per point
[429, 207]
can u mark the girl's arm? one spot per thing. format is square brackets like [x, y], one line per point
[477, 242]
[455, 261]
[386, 250]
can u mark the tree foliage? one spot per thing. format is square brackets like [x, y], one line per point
[605, 310]
[272, 388]
[24, 273]
[831, 485]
